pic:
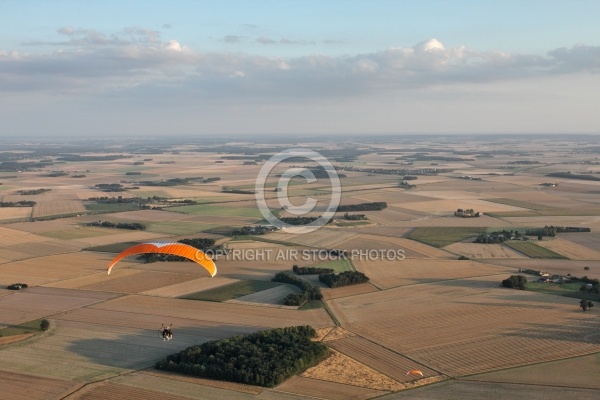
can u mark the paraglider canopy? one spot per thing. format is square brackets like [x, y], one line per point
[176, 249]
[414, 372]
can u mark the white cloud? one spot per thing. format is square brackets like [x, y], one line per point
[91, 61]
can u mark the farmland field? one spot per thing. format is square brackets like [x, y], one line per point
[444, 236]
[482, 250]
[232, 291]
[422, 308]
[570, 249]
[533, 250]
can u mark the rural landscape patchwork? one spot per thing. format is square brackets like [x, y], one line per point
[453, 267]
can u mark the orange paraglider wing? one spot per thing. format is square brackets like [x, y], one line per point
[414, 372]
[176, 249]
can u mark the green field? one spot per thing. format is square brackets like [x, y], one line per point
[231, 291]
[179, 227]
[21, 329]
[338, 266]
[444, 236]
[223, 211]
[570, 289]
[533, 250]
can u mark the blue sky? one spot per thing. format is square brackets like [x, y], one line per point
[298, 67]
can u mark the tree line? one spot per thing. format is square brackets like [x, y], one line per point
[373, 206]
[134, 226]
[22, 203]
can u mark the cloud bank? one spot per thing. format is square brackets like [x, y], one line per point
[90, 61]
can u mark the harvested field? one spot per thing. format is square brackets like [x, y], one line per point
[432, 221]
[10, 237]
[580, 372]
[590, 240]
[220, 313]
[253, 244]
[56, 203]
[386, 274]
[481, 322]
[533, 250]
[559, 267]
[392, 215]
[40, 227]
[441, 236]
[221, 210]
[449, 206]
[119, 237]
[346, 291]
[39, 302]
[195, 285]
[449, 194]
[524, 204]
[482, 250]
[4, 340]
[57, 267]
[109, 390]
[233, 290]
[461, 390]
[144, 377]
[47, 248]
[392, 196]
[560, 220]
[570, 249]
[326, 238]
[383, 231]
[380, 359]
[269, 296]
[411, 248]
[14, 213]
[139, 281]
[149, 216]
[16, 386]
[77, 232]
[89, 343]
[89, 279]
[316, 388]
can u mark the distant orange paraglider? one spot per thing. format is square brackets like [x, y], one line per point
[414, 372]
[176, 249]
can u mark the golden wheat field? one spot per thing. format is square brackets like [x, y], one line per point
[422, 308]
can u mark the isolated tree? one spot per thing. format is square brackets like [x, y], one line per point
[585, 304]
[44, 325]
[586, 268]
[515, 281]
